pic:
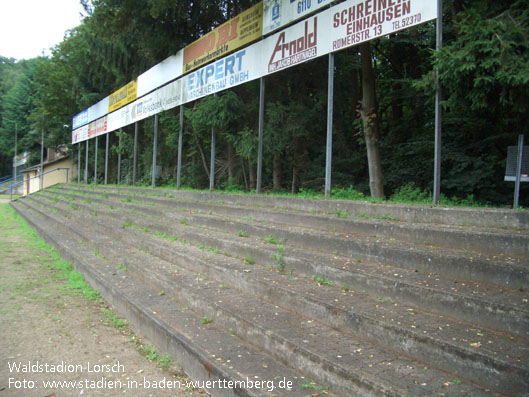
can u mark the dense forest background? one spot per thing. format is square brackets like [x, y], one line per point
[484, 71]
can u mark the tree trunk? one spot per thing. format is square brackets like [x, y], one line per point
[231, 164]
[276, 164]
[369, 117]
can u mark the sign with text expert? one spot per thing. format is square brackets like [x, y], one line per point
[123, 96]
[228, 37]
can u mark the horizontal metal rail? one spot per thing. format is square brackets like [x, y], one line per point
[14, 185]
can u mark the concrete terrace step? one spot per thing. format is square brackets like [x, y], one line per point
[491, 306]
[370, 320]
[350, 366]
[208, 352]
[486, 240]
[486, 217]
[504, 270]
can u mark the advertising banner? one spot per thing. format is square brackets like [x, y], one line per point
[297, 44]
[162, 99]
[344, 25]
[80, 119]
[98, 127]
[353, 22]
[160, 74]
[243, 66]
[279, 13]
[122, 96]
[230, 36]
[98, 110]
[80, 134]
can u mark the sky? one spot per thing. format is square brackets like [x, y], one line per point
[29, 27]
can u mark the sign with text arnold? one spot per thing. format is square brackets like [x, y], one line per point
[123, 96]
[228, 37]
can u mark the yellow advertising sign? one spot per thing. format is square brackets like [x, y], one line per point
[237, 32]
[123, 96]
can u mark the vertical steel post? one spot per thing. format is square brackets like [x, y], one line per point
[78, 163]
[135, 152]
[180, 137]
[86, 164]
[212, 161]
[261, 127]
[106, 159]
[95, 165]
[438, 110]
[42, 157]
[518, 173]
[16, 149]
[119, 158]
[330, 102]
[154, 149]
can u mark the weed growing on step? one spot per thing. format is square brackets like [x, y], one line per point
[341, 214]
[75, 207]
[113, 319]
[206, 320]
[97, 254]
[122, 268]
[249, 260]
[242, 233]
[279, 259]
[184, 222]
[323, 281]
[273, 240]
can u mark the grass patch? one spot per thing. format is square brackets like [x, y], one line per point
[273, 240]
[206, 320]
[323, 281]
[113, 319]
[249, 260]
[279, 258]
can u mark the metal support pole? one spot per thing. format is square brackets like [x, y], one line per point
[261, 127]
[95, 165]
[42, 158]
[106, 159]
[212, 161]
[438, 113]
[518, 173]
[78, 163]
[135, 152]
[16, 149]
[86, 164]
[119, 158]
[180, 134]
[154, 149]
[330, 102]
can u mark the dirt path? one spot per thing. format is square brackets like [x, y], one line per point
[52, 333]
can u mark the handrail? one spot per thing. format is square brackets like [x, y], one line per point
[35, 177]
[5, 180]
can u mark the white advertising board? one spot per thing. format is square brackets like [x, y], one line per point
[98, 110]
[80, 134]
[160, 74]
[279, 13]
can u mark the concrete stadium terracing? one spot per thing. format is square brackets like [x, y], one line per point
[348, 297]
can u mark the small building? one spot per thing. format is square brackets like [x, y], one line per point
[58, 168]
